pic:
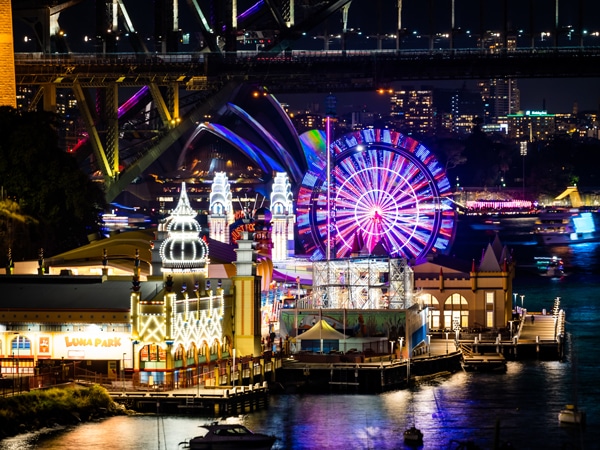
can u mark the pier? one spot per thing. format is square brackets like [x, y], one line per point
[226, 400]
[539, 338]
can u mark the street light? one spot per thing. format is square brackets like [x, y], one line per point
[515, 300]
[522, 298]
[392, 344]
[429, 344]
[447, 342]
[400, 343]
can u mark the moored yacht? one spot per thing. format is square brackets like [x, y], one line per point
[224, 436]
[570, 414]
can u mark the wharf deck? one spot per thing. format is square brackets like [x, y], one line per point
[224, 400]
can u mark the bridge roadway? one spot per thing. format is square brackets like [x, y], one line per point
[299, 71]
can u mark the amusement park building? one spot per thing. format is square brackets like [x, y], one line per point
[178, 328]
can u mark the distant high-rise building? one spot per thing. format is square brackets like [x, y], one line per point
[412, 109]
[500, 96]
[531, 125]
[466, 106]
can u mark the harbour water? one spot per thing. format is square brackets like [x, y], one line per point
[519, 407]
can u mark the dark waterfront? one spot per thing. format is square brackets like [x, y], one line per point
[522, 404]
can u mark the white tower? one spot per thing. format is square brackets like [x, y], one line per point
[283, 218]
[221, 208]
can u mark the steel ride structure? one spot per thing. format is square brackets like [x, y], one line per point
[389, 196]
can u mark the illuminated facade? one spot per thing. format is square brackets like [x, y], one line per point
[173, 332]
[412, 109]
[500, 96]
[479, 296]
[531, 125]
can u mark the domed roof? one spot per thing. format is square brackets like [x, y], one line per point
[183, 250]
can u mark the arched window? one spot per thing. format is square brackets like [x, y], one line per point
[21, 345]
[202, 353]
[214, 350]
[179, 353]
[456, 312]
[434, 310]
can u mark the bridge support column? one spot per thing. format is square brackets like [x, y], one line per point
[50, 97]
[112, 129]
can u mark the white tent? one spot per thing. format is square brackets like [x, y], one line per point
[321, 330]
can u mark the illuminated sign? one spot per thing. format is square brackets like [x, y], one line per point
[238, 228]
[92, 342]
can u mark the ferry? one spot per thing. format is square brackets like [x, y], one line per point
[566, 226]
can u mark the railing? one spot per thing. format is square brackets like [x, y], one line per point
[245, 56]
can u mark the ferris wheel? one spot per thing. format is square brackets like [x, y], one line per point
[386, 190]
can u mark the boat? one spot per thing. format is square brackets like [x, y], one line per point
[550, 266]
[570, 414]
[413, 436]
[222, 436]
[565, 226]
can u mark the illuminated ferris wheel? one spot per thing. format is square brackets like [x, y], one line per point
[387, 192]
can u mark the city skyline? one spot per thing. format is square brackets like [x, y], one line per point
[555, 96]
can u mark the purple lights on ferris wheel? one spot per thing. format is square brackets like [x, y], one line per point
[387, 192]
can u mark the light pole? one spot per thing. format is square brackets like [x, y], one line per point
[522, 300]
[447, 342]
[392, 352]
[234, 371]
[123, 372]
[400, 343]
[429, 344]
[515, 300]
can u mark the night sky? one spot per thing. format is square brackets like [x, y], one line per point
[419, 17]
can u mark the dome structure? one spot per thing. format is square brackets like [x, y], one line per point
[183, 250]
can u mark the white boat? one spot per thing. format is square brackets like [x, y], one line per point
[223, 436]
[571, 415]
[566, 226]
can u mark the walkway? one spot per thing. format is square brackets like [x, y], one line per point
[542, 328]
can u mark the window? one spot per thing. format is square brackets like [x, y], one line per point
[20, 343]
[489, 309]
[456, 311]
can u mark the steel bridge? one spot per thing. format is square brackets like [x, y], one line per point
[184, 87]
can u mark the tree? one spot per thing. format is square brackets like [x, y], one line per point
[47, 184]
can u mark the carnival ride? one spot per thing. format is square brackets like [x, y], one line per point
[387, 190]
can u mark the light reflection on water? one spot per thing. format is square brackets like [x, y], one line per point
[521, 406]
[524, 403]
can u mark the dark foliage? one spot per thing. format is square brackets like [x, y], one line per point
[47, 184]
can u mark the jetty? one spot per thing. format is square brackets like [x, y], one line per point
[225, 400]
